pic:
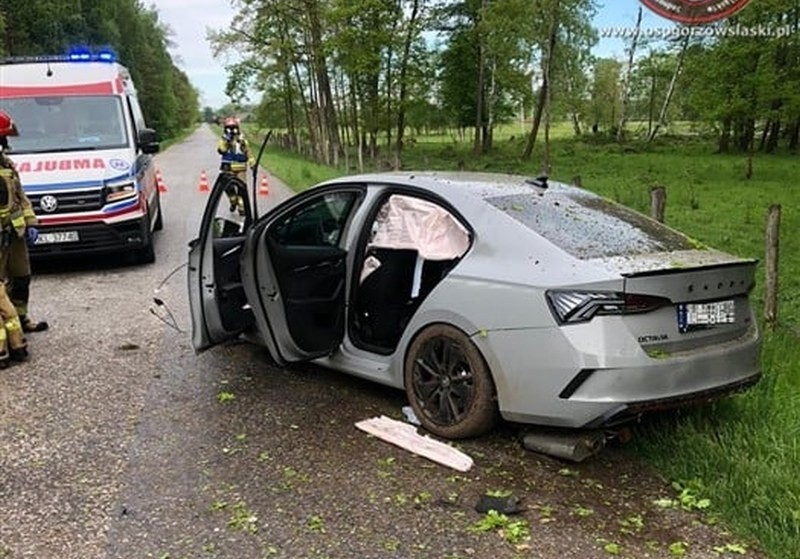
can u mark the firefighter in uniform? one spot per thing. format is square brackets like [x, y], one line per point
[12, 340]
[18, 223]
[235, 152]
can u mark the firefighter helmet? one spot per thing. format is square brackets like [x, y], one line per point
[7, 126]
[231, 126]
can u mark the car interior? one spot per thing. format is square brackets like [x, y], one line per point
[413, 245]
[386, 300]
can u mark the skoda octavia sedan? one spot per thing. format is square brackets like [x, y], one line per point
[484, 297]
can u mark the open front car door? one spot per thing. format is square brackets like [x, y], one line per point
[217, 299]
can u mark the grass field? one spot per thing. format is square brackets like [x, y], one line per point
[743, 454]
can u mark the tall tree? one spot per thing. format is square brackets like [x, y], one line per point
[605, 94]
[564, 30]
[676, 73]
[629, 69]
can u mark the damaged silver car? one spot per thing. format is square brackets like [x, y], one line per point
[482, 296]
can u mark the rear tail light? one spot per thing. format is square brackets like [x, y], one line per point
[571, 307]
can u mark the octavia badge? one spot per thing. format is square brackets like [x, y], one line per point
[48, 204]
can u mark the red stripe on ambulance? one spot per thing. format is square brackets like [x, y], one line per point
[99, 88]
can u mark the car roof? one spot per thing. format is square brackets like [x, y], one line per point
[449, 183]
[578, 221]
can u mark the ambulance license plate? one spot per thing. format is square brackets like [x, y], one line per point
[700, 315]
[57, 237]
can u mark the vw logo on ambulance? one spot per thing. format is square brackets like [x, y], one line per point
[695, 12]
[48, 203]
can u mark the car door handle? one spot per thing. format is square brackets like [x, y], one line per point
[318, 266]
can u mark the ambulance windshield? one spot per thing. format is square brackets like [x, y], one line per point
[74, 123]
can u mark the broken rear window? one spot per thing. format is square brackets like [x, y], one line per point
[588, 226]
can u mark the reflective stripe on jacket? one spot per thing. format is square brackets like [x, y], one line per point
[19, 208]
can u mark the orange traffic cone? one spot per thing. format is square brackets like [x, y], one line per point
[203, 187]
[263, 190]
[160, 182]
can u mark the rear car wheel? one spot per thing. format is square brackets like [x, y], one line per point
[449, 384]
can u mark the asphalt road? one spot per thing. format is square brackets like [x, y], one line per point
[117, 441]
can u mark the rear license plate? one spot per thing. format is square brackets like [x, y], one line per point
[692, 316]
[57, 237]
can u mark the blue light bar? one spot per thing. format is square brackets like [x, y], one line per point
[78, 54]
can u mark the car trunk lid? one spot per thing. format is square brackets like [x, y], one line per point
[707, 292]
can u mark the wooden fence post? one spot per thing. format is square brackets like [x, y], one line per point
[577, 181]
[658, 203]
[773, 245]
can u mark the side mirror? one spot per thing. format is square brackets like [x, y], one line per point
[148, 140]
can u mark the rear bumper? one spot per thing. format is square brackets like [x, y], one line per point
[542, 378]
[629, 412]
[95, 238]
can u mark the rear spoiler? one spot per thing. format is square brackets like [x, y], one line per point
[679, 269]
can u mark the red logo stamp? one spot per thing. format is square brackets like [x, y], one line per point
[695, 12]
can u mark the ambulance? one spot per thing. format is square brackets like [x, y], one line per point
[84, 154]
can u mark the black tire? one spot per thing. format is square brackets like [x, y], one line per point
[147, 254]
[449, 384]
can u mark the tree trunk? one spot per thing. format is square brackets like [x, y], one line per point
[372, 103]
[762, 144]
[354, 112]
[651, 112]
[479, 93]
[794, 135]
[745, 129]
[389, 57]
[725, 136]
[774, 136]
[327, 111]
[361, 142]
[546, 160]
[401, 108]
[626, 94]
[537, 121]
[662, 117]
[576, 123]
[574, 109]
[306, 105]
[318, 137]
[543, 94]
[488, 130]
[343, 111]
[289, 107]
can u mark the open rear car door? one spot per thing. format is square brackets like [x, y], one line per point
[217, 299]
[295, 274]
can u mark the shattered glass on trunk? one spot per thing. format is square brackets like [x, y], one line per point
[589, 226]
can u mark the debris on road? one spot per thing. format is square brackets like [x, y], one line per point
[504, 504]
[405, 436]
[411, 417]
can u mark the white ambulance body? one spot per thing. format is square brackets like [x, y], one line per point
[84, 154]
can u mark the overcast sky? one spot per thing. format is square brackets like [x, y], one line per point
[189, 20]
